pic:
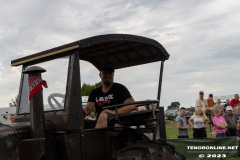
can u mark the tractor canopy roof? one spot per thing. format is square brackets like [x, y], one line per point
[121, 50]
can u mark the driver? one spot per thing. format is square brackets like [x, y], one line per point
[110, 93]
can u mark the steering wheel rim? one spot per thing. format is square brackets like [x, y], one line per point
[52, 97]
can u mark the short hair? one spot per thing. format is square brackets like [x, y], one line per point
[216, 109]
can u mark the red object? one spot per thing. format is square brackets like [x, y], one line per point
[234, 102]
[35, 83]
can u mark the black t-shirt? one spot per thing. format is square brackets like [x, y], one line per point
[117, 94]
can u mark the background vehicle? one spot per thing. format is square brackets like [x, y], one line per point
[45, 131]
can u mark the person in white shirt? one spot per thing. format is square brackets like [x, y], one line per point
[201, 102]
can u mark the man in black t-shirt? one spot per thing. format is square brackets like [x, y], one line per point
[109, 93]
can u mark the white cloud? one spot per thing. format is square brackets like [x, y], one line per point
[202, 38]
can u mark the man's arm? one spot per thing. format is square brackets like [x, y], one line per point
[182, 127]
[88, 108]
[124, 109]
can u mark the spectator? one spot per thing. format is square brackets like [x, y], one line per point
[219, 124]
[187, 113]
[238, 114]
[221, 109]
[226, 104]
[182, 124]
[236, 110]
[218, 104]
[201, 102]
[230, 118]
[12, 118]
[210, 102]
[238, 122]
[210, 106]
[235, 101]
[238, 129]
[199, 122]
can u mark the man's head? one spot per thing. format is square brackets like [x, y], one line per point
[107, 67]
[229, 109]
[236, 96]
[106, 74]
[221, 109]
[182, 111]
[201, 94]
[12, 118]
[210, 96]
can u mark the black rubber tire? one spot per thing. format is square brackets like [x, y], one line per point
[149, 150]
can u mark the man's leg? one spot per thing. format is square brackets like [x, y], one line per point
[102, 120]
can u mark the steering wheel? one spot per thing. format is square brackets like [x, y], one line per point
[53, 97]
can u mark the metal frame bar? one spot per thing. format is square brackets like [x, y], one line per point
[161, 118]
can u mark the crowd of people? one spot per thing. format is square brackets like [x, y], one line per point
[225, 118]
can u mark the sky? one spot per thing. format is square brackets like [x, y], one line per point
[201, 36]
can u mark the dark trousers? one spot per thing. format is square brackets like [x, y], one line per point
[183, 136]
[199, 133]
[231, 132]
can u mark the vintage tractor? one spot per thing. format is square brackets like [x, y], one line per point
[50, 122]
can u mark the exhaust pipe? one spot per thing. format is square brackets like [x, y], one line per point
[36, 144]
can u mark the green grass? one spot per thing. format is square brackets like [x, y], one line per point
[171, 130]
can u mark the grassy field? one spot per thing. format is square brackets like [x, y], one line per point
[171, 130]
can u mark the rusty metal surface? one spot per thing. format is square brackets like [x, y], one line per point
[37, 122]
[95, 144]
[16, 142]
[69, 146]
[10, 137]
[73, 98]
[7, 143]
[32, 149]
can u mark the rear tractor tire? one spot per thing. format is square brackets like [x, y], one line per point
[149, 150]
